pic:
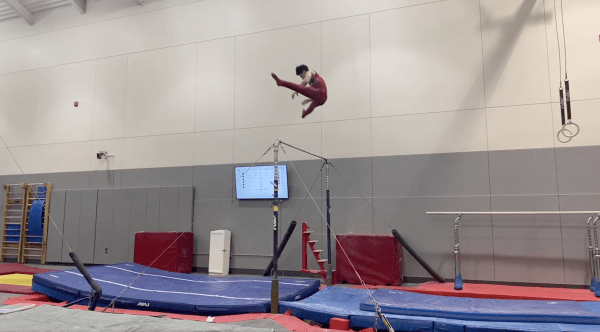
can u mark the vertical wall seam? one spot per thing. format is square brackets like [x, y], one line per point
[112, 227]
[129, 219]
[95, 228]
[195, 114]
[323, 234]
[126, 88]
[562, 246]
[195, 111]
[487, 138]
[371, 125]
[36, 111]
[324, 74]
[94, 99]
[123, 135]
[62, 231]
[92, 123]
[234, 103]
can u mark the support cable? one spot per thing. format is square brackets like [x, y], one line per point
[378, 312]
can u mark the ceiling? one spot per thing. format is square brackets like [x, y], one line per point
[27, 8]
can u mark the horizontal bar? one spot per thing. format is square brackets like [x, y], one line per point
[511, 213]
[312, 154]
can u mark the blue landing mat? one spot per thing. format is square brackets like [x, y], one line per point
[330, 302]
[430, 324]
[173, 292]
[462, 308]
[345, 303]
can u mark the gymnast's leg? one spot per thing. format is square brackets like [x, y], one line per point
[306, 91]
[310, 109]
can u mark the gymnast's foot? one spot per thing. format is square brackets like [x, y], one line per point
[276, 79]
[305, 113]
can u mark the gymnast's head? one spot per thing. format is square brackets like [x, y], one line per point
[301, 70]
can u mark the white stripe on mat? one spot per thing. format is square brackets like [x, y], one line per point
[209, 282]
[173, 292]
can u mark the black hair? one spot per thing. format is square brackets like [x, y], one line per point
[300, 69]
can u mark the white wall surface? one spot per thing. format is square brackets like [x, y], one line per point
[191, 79]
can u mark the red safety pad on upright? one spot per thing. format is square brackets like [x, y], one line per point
[377, 258]
[176, 250]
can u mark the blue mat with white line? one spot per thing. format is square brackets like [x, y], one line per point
[345, 303]
[530, 311]
[330, 302]
[173, 292]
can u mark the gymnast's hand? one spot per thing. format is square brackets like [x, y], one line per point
[306, 101]
[294, 94]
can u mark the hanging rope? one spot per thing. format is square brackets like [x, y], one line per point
[569, 128]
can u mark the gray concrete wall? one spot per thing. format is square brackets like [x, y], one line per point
[525, 249]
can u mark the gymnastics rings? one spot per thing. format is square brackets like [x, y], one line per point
[565, 135]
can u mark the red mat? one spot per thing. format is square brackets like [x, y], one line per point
[486, 291]
[287, 321]
[378, 259]
[11, 268]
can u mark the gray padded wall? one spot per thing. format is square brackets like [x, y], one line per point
[152, 209]
[405, 187]
[87, 225]
[401, 188]
[57, 215]
[119, 250]
[185, 213]
[137, 223]
[145, 209]
[104, 221]
[71, 226]
[521, 242]
[168, 209]
[100, 224]
[213, 206]
[574, 235]
[148, 209]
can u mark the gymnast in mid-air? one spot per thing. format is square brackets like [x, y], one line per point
[316, 90]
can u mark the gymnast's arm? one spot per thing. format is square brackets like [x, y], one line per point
[304, 82]
[306, 78]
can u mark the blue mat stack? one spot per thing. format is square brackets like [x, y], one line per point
[408, 311]
[173, 292]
